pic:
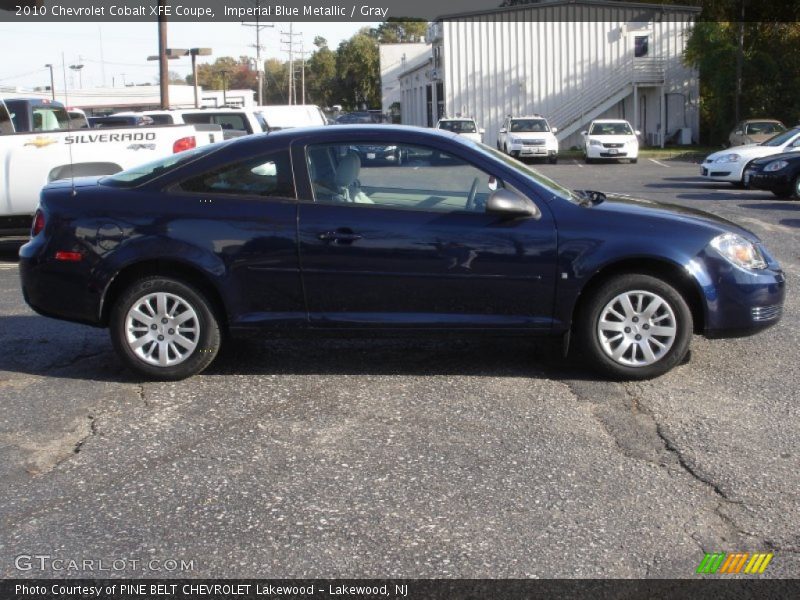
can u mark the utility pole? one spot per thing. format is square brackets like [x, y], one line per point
[739, 62]
[224, 73]
[52, 82]
[163, 68]
[259, 47]
[290, 43]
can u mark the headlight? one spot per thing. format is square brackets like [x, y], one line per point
[739, 251]
[776, 165]
[390, 148]
[516, 140]
[595, 143]
[728, 158]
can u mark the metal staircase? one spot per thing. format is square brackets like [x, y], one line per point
[599, 96]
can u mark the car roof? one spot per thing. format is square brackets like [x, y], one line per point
[610, 121]
[762, 121]
[456, 119]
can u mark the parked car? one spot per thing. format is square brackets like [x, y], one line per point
[365, 117]
[729, 165]
[120, 120]
[289, 232]
[610, 139]
[755, 131]
[38, 145]
[467, 128]
[286, 116]
[779, 173]
[528, 137]
[235, 122]
[77, 118]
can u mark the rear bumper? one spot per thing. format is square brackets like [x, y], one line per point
[58, 289]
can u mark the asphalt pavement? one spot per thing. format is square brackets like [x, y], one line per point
[394, 458]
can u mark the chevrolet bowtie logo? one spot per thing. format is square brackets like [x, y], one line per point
[41, 141]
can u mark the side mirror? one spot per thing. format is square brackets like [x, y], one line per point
[637, 132]
[554, 129]
[510, 204]
[503, 130]
[584, 133]
[481, 131]
[738, 132]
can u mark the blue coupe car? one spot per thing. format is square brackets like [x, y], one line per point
[290, 232]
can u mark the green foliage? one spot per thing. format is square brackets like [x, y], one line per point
[770, 73]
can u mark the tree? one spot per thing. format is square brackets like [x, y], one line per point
[400, 30]
[358, 70]
[232, 73]
[321, 79]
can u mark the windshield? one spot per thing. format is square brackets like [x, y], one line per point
[621, 128]
[781, 138]
[555, 188]
[765, 128]
[142, 173]
[458, 126]
[529, 125]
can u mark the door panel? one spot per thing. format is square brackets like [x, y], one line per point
[402, 250]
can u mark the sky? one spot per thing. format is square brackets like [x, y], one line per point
[117, 52]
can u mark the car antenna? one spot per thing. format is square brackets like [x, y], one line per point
[69, 124]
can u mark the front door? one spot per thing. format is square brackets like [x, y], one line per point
[397, 236]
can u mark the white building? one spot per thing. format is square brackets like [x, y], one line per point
[394, 59]
[569, 60]
[135, 97]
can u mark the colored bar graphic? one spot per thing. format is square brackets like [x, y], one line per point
[734, 562]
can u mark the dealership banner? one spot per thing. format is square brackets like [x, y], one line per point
[394, 589]
[379, 10]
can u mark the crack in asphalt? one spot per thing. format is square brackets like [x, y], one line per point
[79, 444]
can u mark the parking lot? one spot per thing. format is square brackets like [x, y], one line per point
[399, 458]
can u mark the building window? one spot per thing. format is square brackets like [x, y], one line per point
[641, 45]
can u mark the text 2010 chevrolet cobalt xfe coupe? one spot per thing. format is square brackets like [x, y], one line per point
[290, 232]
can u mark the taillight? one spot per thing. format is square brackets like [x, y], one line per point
[182, 144]
[38, 223]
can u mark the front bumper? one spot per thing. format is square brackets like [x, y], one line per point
[741, 302]
[773, 181]
[731, 172]
[530, 151]
[625, 151]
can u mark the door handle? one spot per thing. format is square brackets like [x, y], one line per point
[340, 236]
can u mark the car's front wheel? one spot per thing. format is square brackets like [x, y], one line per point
[635, 327]
[164, 329]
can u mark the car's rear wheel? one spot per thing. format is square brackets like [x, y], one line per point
[796, 188]
[635, 327]
[164, 329]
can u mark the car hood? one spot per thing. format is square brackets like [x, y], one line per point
[793, 156]
[640, 207]
[613, 139]
[747, 152]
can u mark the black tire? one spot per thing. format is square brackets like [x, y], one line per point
[588, 322]
[588, 160]
[207, 339]
[552, 160]
[633, 161]
[796, 188]
[783, 193]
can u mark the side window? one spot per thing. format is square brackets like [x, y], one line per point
[6, 127]
[231, 122]
[406, 177]
[269, 175]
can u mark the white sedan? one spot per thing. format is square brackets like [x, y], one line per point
[610, 139]
[729, 165]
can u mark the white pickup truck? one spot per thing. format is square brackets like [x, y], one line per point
[37, 146]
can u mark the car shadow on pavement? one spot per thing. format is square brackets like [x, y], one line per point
[716, 195]
[39, 346]
[790, 222]
[773, 206]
